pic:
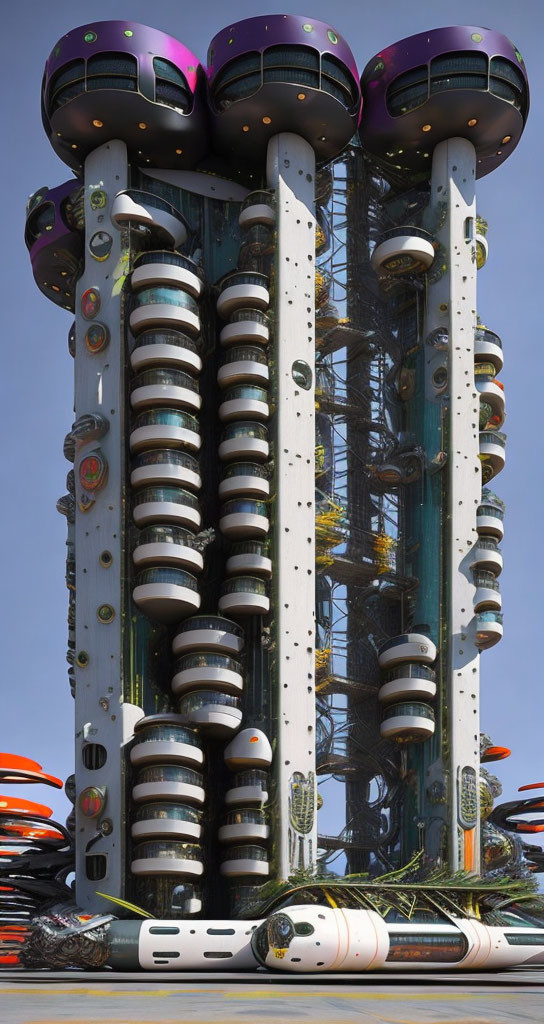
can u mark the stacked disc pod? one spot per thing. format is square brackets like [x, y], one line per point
[243, 378]
[167, 800]
[36, 854]
[165, 436]
[208, 675]
[408, 684]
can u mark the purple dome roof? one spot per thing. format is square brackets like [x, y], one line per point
[121, 80]
[460, 81]
[282, 73]
[54, 236]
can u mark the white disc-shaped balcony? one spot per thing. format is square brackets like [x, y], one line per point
[165, 428]
[209, 633]
[408, 722]
[408, 682]
[246, 825]
[166, 594]
[257, 208]
[488, 347]
[167, 545]
[245, 861]
[244, 402]
[482, 250]
[492, 453]
[491, 392]
[487, 556]
[489, 629]
[246, 440]
[168, 782]
[207, 670]
[165, 466]
[164, 306]
[166, 821]
[244, 518]
[248, 789]
[166, 348]
[249, 558]
[244, 479]
[159, 387]
[165, 739]
[407, 647]
[244, 595]
[160, 267]
[245, 364]
[136, 208]
[403, 250]
[246, 325]
[250, 748]
[167, 857]
[487, 597]
[490, 520]
[242, 290]
[214, 713]
[166, 505]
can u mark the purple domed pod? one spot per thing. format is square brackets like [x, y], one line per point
[121, 80]
[54, 236]
[451, 82]
[282, 73]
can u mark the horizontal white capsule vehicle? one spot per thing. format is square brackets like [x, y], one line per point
[316, 939]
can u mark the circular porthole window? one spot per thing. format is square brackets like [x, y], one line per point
[302, 374]
[105, 613]
[440, 378]
[100, 245]
[82, 659]
[97, 338]
[105, 559]
[98, 199]
[90, 303]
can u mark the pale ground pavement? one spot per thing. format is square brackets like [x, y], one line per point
[32, 998]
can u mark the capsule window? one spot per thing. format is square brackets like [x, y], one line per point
[112, 71]
[96, 866]
[68, 82]
[94, 756]
[171, 85]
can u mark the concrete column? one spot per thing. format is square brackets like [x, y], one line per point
[452, 305]
[291, 172]
[101, 714]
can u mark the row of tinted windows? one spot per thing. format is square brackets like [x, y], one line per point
[297, 65]
[457, 71]
[117, 71]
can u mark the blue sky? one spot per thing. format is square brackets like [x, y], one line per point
[36, 370]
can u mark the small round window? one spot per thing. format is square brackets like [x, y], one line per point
[302, 374]
[440, 378]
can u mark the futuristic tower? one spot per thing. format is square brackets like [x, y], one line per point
[282, 554]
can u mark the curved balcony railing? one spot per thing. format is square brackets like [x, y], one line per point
[169, 773]
[211, 622]
[247, 428]
[177, 577]
[251, 777]
[247, 853]
[167, 418]
[242, 278]
[162, 534]
[166, 849]
[196, 701]
[409, 671]
[412, 710]
[166, 348]
[206, 659]
[249, 353]
[162, 811]
[493, 437]
[171, 259]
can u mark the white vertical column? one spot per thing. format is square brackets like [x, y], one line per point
[291, 172]
[452, 304]
[101, 716]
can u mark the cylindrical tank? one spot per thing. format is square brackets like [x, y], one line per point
[461, 81]
[281, 73]
[121, 80]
